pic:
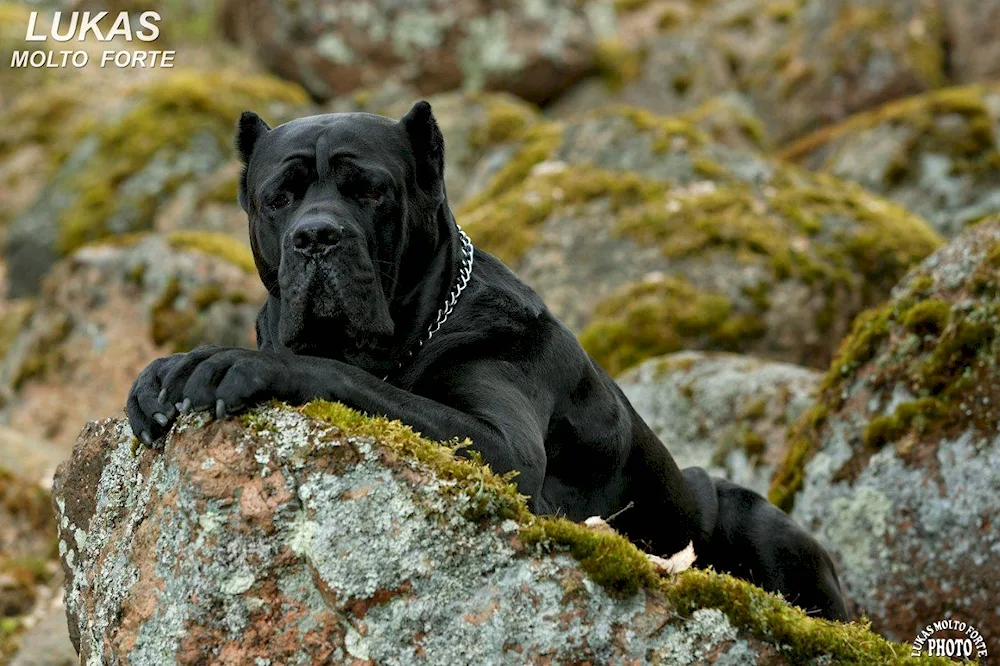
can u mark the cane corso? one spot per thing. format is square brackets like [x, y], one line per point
[378, 300]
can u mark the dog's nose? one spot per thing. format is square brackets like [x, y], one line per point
[316, 236]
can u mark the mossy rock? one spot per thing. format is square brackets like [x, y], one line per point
[168, 137]
[895, 468]
[112, 307]
[474, 124]
[804, 63]
[349, 516]
[647, 237]
[938, 153]
[534, 50]
[726, 413]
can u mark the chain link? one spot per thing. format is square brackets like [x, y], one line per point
[464, 275]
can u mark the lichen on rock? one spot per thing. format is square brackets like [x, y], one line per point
[318, 535]
[726, 413]
[897, 461]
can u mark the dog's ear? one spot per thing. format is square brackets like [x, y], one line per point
[251, 128]
[428, 145]
[249, 131]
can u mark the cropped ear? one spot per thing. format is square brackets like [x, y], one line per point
[428, 146]
[251, 129]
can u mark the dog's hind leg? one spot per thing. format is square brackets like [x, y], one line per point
[746, 536]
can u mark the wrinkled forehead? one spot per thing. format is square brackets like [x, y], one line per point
[367, 140]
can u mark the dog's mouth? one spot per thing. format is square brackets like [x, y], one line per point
[333, 309]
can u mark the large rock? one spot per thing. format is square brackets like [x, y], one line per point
[938, 154]
[804, 64]
[318, 536]
[647, 236]
[108, 310]
[534, 50]
[726, 413]
[897, 466]
[161, 157]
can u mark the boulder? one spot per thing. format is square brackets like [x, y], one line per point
[938, 153]
[319, 536]
[647, 236]
[534, 50]
[895, 469]
[803, 64]
[726, 413]
[161, 157]
[108, 310]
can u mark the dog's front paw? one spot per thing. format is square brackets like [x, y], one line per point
[231, 381]
[156, 397]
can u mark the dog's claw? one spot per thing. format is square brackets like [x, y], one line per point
[185, 406]
[161, 419]
[220, 409]
[163, 396]
[146, 438]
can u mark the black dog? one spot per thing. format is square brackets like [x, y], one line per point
[354, 240]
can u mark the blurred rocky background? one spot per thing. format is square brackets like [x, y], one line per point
[776, 222]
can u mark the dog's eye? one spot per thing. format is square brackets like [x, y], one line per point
[277, 202]
[371, 195]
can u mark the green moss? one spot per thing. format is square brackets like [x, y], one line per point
[867, 333]
[940, 344]
[10, 629]
[927, 317]
[659, 317]
[802, 442]
[507, 119]
[908, 416]
[617, 63]
[161, 119]
[507, 225]
[611, 560]
[625, 6]
[768, 618]
[539, 143]
[618, 566]
[216, 244]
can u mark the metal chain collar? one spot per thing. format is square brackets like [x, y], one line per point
[464, 274]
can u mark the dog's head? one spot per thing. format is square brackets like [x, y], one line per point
[347, 214]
